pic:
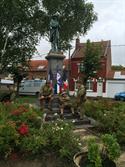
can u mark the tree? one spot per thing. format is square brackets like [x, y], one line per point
[28, 20]
[18, 72]
[75, 17]
[91, 61]
[17, 17]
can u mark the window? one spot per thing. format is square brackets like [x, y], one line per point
[89, 85]
[37, 83]
[28, 84]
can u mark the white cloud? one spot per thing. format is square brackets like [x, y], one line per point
[110, 26]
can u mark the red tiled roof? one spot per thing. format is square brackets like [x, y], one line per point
[80, 50]
[36, 64]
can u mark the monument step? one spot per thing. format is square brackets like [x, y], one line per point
[84, 126]
[81, 121]
[52, 117]
[68, 116]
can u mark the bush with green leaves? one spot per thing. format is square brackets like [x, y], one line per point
[94, 153]
[61, 138]
[98, 152]
[22, 132]
[110, 147]
[110, 116]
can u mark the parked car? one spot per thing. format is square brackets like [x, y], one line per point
[120, 96]
[31, 87]
[7, 92]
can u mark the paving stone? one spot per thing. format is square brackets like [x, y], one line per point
[121, 160]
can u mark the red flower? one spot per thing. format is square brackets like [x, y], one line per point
[23, 129]
[14, 156]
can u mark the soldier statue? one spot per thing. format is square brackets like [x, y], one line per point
[46, 93]
[65, 102]
[81, 98]
[54, 33]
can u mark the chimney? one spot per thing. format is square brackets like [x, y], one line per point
[77, 43]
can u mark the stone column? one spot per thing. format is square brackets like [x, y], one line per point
[55, 65]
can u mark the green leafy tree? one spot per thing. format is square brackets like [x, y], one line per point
[91, 61]
[28, 20]
[75, 17]
[18, 72]
[18, 18]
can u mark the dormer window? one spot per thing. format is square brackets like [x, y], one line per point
[40, 67]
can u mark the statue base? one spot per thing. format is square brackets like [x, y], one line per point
[55, 55]
[55, 67]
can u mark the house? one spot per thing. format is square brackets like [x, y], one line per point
[38, 69]
[96, 87]
[108, 82]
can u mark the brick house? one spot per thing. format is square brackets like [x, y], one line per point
[102, 74]
[38, 68]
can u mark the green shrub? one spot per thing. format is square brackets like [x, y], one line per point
[94, 153]
[22, 132]
[61, 138]
[110, 116]
[108, 147]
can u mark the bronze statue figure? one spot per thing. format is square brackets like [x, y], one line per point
[54, 33]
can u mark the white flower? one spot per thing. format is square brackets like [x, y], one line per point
[79, 144]
[30, 105]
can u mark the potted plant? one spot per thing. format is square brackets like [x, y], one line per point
[101, 154]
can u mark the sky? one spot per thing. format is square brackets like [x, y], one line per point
[109, 26]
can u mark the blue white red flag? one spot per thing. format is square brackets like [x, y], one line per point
[59, 82]
[59, 79]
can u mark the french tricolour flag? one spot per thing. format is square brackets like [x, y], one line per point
[59, 82]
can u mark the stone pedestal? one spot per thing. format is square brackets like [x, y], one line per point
[55, 65]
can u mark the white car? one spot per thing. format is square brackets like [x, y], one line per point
[31, 87]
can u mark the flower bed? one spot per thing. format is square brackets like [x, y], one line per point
[23, 135]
